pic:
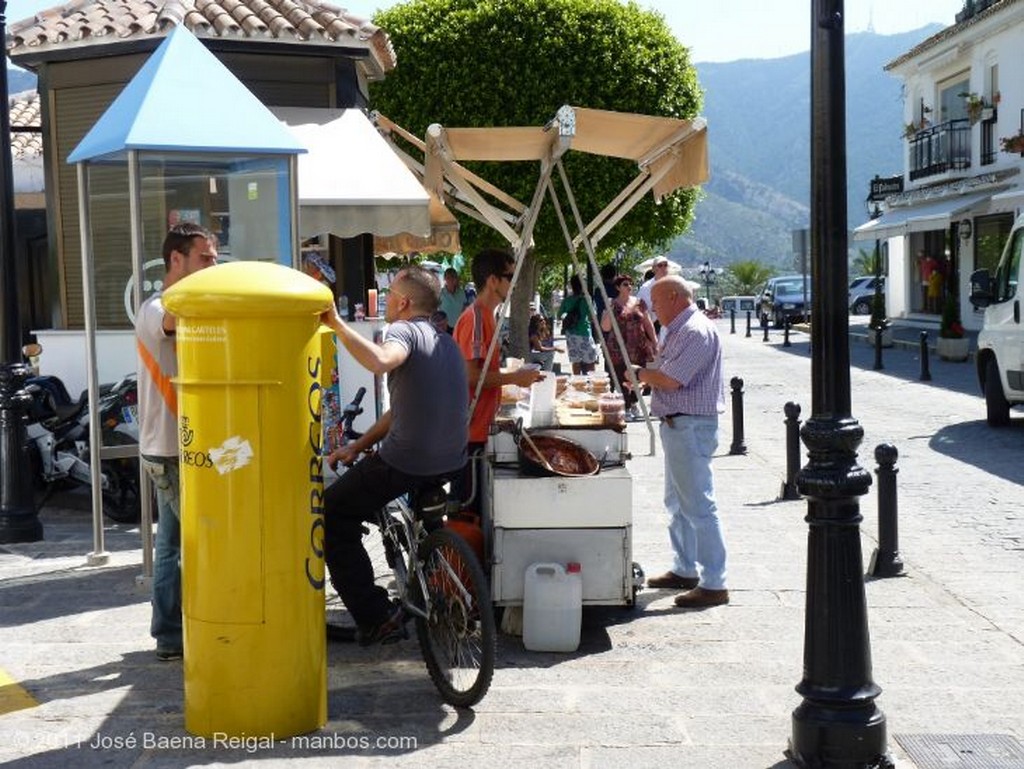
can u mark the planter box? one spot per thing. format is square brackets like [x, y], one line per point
[953, 349]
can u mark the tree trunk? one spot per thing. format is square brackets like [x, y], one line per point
[519, 319]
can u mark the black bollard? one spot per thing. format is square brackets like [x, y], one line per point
[785, 332]
[878, 349]
[738, 445]
[789, 490]
[732, 321]
[886, 561]
[748, 324]
[926, 374]
[765, 332]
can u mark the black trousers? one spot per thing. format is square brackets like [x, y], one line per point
[349, 502]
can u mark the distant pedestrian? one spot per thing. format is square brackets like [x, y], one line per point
[688, 395]
[576, 327]
[660, 270]
[637, 332]
[453, 298]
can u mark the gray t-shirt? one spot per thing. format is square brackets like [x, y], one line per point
[429, 402]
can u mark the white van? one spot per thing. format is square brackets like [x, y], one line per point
[741, 304]
[1000, 358]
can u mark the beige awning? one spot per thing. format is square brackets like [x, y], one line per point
[672, 148]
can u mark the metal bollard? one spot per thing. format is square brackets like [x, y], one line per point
[732, 321]
[886, 561]
[748, 324]
[878, 349]
[785, 332]
[765, 331]
[789, 490]
[926, 374]
[738, 446]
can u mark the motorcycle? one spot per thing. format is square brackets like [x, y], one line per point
[58, 442]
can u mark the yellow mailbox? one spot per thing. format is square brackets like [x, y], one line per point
[250, 372]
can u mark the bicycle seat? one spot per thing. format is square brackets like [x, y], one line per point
[430, 501]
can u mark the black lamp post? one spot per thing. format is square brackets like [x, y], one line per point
[838, 723]
[19, 521]
[708, 275]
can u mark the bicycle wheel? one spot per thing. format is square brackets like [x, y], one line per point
[458, 637]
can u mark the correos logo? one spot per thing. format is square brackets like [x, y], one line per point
[152, 282]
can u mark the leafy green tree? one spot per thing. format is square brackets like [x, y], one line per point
[515, 62]
[748, 276]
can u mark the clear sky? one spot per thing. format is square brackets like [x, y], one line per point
[721, 30]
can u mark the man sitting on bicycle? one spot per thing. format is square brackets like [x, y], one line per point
[422, 437]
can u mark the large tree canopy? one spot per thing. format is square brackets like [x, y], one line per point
[515, 62]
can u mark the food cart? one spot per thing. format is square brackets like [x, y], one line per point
[560, 518]
[583, 517]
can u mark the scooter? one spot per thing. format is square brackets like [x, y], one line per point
[58, 442]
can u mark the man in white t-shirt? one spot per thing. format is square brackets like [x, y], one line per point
[660, 267]
[187, 248]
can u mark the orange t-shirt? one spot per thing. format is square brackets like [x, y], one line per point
[473, 332]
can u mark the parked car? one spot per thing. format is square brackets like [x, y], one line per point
[862, 293]
[787, 297]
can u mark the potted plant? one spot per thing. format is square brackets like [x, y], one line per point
[975, 104]
[1013, 144]
[953, 343]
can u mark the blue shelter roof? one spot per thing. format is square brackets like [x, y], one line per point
[184, 99]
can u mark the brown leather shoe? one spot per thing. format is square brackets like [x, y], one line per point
[672, 581]
[700, 598]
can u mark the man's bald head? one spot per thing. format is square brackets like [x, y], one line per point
[670, 296]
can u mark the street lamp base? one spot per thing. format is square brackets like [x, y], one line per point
[839, 737]
[20, 527]
[19, 520]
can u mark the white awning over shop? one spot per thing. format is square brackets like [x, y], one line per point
[1010, 200]
[935, 215]
[350, 181]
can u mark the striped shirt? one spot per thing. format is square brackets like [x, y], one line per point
[690, 353]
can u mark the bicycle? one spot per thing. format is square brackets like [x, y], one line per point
[440, 583]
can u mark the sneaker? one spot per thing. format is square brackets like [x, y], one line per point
[389, 631]
[634, 414]
[169, 655]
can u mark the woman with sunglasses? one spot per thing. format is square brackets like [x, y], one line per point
[637, 329]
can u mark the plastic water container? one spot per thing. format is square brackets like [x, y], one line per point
[542, 400]
[552, 607]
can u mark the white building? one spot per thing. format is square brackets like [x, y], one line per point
[962, 185]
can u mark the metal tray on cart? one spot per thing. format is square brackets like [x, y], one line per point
[610, 446]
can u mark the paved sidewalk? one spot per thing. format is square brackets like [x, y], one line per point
[654, 687]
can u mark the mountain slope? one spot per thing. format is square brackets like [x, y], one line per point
[759, 129]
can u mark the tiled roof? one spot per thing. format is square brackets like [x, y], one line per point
[102, 22]
[25, 114]
[949, 32]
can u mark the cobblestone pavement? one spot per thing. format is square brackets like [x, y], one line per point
[648, 687]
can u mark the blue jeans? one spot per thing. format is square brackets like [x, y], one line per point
[165, 625]
[694, 531]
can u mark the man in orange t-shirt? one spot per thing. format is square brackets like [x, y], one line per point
[492, 273]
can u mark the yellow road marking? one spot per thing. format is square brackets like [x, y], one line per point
[12, 696]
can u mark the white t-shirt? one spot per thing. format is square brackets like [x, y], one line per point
[644, 295]
[158, 400]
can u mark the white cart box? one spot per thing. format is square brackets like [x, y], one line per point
[605, 556]
[604, 500]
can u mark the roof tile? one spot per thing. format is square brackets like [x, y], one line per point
[99, 22]
[25, 113]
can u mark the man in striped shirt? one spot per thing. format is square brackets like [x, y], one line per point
[688, 395]
[187, 248]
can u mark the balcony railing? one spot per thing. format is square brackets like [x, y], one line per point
[941, 148]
